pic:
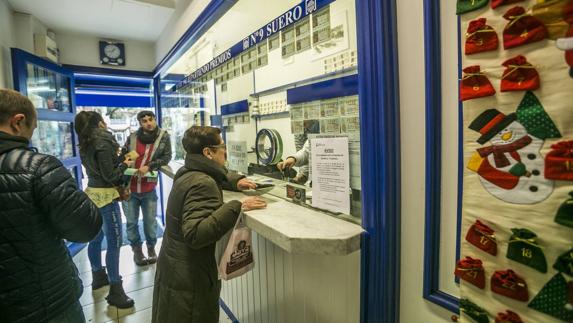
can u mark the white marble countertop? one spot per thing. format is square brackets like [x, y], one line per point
[295, 228]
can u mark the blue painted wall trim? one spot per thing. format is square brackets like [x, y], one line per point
[107, 71]
[228, 311]
[75, 247]
[214, 10]
[114, 82]
[235, 107]
[104, 99]
[380, 146]
[333, 88]
[432, 45]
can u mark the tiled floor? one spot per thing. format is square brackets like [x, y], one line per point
[137, 282]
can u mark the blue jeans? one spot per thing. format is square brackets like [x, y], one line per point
[148, 204]
[112, 230]
[74, 314]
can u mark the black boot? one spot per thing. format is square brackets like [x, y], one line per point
[138, 256]
[151, 255]
[99, 279]
[117, 297]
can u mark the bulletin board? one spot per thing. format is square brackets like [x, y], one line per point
[516, 232]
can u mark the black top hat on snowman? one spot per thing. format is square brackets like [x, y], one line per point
[491, 122]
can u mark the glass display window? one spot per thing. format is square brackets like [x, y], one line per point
[47, 89]
[273, 105]
[54, 138]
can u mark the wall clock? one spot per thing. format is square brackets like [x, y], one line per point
[111, 53]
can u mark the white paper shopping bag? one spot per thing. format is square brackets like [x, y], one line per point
[238, 256]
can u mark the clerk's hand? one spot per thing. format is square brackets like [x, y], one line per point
[288, 163]
[246, 184]
[142, 171]
[253, 203]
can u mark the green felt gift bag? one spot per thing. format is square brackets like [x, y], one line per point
[464, 6]
[564, 214]
[472, 310]
[523, 248]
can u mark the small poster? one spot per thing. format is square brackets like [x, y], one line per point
[237, 156]
[330, 174]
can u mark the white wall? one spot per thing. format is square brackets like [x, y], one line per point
[413, 307]
[186, 11]
[6, 41]
[82, 49]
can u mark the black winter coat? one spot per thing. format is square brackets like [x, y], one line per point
[187, 286]
[101, 160]
[40, 206]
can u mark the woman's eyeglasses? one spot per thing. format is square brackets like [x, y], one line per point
[224, 146]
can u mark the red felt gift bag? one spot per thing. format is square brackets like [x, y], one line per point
[508, 317]
[482, 236]
[475, 84]
[471, 270]
[509, 284]
[497, 3]
[522, 28]
[519, 75]
[559, 161]
[480, 37]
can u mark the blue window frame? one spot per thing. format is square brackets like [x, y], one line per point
[51, 89]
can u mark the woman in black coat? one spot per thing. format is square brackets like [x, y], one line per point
[99, 153]
[187, 287]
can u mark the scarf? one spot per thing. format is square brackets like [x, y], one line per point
[499, 151]
[147, 137]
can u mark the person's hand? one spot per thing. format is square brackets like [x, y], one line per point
[246, 184]
[288, 163]
[142, 171]
[253, 203]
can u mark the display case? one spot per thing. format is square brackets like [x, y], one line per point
[270, 103]
[51, 89]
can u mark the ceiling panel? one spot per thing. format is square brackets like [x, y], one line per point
[116, 19]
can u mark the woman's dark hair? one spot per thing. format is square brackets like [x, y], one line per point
[197, 138]
[86, 123]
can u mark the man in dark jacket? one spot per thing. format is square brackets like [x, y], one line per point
[152, 147]
[187, 287]
[41, 206]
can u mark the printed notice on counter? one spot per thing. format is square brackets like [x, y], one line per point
[237, 156]
[330, 174]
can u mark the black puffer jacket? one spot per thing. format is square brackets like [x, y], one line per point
[40, 206]
[101, 159]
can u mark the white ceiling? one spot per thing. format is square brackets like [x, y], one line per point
[116, 19]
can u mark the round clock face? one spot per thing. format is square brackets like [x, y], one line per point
[112, 51]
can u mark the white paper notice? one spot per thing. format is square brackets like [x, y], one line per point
[330, 174]
[237, 156]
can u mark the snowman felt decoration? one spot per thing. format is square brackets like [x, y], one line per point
[511, 168]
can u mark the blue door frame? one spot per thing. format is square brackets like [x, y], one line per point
[380, 147]
[20, 60]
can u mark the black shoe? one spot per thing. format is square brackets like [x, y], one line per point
[138, 256]
[117, 297]
[151, 255]
[99, 279]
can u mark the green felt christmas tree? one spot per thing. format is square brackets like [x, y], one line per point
[532, 115]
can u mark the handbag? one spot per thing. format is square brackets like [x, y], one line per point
[124, 192]
[238, 256]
